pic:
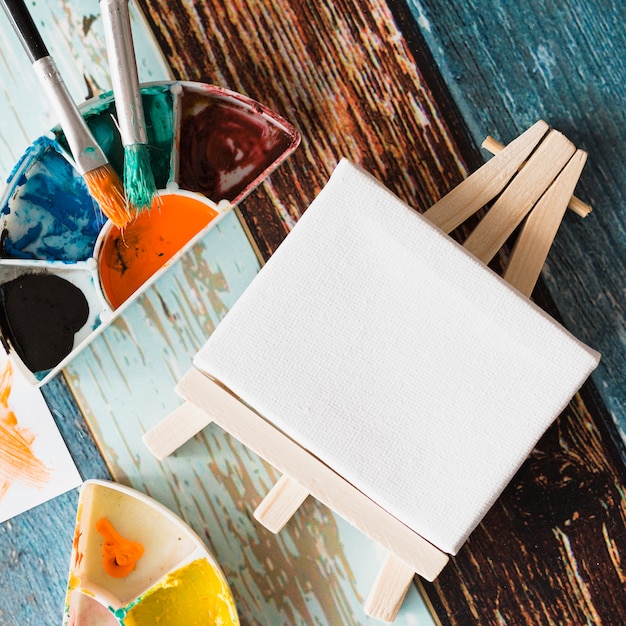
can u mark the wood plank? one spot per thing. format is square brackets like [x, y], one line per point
[280, 504]
[562, 63]
[539, 230]
[485, 183]
[337, 105]
[390, 587]
[316, 66]
[493, 146]
[520, 196]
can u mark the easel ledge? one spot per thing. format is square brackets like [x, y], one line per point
[315, 478]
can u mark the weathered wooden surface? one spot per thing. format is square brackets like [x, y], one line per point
[337, 94]
[340, 72]
[552, 549]
[506, 65]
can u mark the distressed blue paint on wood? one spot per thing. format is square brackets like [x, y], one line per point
[508, 64]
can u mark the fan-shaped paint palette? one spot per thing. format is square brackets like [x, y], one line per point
[134, 563]
[65, 271]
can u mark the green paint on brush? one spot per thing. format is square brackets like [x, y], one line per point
[139, 182]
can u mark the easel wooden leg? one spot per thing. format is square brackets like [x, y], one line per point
[535, 239]
[175, 430]
[279, 505]
[390, 587]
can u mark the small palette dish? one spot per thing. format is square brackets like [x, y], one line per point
[135, 563]
[65, 271]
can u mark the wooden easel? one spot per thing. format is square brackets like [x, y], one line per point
[532, 179]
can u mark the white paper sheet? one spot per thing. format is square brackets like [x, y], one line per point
[28, 432]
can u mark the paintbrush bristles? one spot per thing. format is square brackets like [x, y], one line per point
[138, 177]
[106, 189]
[139, 181]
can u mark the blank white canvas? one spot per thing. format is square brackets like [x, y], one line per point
[393, 355]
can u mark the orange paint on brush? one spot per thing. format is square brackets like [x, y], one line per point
[119, 555]
[17, 460]
[129, 257]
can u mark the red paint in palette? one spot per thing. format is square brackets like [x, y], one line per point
[225, 147]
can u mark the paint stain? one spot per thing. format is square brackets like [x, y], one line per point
[17, 459]
[225, 147]
[119, 555]
[84, 609]
[130, 257]
[39, 316]
[48, 213]
[193, 595]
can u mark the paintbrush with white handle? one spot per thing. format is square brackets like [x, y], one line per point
[100, 177]
[139, 183]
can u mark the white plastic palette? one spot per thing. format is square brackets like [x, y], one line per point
[208, 145]
[134, 562]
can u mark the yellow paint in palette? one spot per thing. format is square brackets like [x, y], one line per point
[134, 563]
[193, 595]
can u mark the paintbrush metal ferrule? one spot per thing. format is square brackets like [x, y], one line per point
[86, 152]
[123, 68]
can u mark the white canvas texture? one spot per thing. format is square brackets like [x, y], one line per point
[393, 355]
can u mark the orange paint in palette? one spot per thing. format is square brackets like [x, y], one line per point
[119, 555]
[167, 577]
[128, 258]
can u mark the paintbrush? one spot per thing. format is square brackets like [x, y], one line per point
[101, 179]
[139, 182]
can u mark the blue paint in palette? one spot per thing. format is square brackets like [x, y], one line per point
[47, 212]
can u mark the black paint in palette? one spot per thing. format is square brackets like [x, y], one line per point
[40, 313]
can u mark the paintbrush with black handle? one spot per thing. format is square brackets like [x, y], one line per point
[101, 179]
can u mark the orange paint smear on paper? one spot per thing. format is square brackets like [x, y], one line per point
[119, 555]
[17, 460]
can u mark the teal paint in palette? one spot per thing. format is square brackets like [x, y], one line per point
[158, 102]
[209, 147]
